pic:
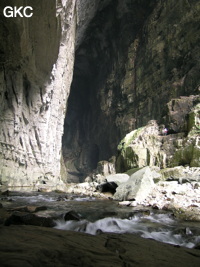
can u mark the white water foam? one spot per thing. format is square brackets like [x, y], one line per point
[163, 233]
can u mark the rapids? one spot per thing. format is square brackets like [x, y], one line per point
[107, 216]
[160, 227]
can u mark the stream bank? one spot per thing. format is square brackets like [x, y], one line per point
[37, 246]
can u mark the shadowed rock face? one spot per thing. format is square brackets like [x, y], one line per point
[135, 58]
[99, 109]
[132, 58]
[36, 61]
[36, 246]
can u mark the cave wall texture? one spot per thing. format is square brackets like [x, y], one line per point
[136, 56]
[36, 67]
[128, 59]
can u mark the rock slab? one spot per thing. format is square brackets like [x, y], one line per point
[36, 246]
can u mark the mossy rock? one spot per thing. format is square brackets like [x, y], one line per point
[189, 155]
[128, 139]
[194, 121]
[172, 173]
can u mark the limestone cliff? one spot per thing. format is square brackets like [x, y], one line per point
[36, 66]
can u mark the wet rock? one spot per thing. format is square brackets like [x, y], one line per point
[155, 207]
[107, 187]
[4, 214]
[72, 216]
[1, 206]
[124, 203]
[30, 209]
[197, 246]
[142, 212]
[5, 193]
[44, 189]
[6, 199]
[62, 198]
[23, 218]
[40, 246]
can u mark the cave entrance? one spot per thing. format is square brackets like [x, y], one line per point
[88, 131]
[97, 109]
[80, 154]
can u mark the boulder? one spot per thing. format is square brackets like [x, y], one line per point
[118, 178]
[26, 245]
[147, 146]
[5, 193]
[30, 209]
[4, 214]
[107, 187]
[142, 147]
[72, 216]
[138, 187]
[24, 218]
[181, 174]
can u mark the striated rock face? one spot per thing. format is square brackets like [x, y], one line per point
[135, 58]
[36, 66]
[132, 58]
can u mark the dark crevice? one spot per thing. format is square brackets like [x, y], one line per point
[14, 92]
[27, 87]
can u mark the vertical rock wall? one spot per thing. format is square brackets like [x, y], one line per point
[135, 58]
[100, 110]
[36, 64]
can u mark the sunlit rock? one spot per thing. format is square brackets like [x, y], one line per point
[36, 70]
[138, 187]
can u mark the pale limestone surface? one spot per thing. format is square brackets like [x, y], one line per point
[138, 187]
[35, 81]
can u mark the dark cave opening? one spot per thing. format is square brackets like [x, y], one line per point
[96, 102]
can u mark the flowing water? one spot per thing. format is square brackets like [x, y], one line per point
[106, 216]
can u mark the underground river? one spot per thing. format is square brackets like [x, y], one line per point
[104, 215]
